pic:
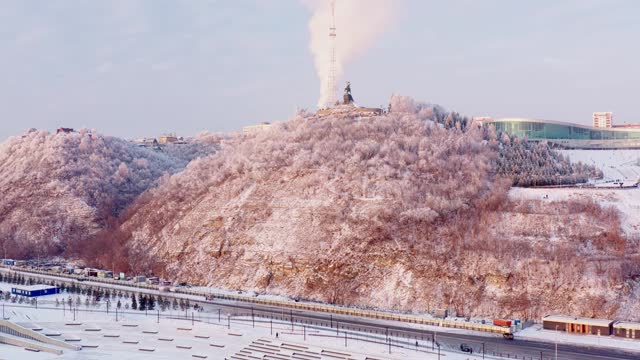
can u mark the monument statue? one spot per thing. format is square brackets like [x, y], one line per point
[348, 99]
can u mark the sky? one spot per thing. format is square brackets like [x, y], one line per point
[135, 68]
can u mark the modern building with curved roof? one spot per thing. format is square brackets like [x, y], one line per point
[568, 135]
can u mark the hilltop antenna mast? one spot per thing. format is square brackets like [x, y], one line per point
[332, 81]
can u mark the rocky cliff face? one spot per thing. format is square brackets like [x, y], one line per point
[392, 212]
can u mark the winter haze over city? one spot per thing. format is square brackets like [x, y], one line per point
[319, 179]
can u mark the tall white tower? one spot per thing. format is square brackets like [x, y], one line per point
[332, 82]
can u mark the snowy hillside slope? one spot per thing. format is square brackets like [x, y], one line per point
[57, 189]
[394, 211]
[626, 201]
[621, 165]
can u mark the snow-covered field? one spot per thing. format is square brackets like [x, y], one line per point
[181, 339]
[615, 164]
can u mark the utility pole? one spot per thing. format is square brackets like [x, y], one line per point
[483, 350]
[218, 315]
[433, 341]
[271, 322]
[556, 344]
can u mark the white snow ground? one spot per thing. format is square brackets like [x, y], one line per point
[615, 164]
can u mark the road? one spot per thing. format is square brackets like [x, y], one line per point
[401, 334]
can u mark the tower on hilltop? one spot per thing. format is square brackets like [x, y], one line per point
[332, 81]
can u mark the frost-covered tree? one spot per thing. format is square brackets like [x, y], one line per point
[58, 189]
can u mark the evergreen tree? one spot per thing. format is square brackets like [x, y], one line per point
[134, 303]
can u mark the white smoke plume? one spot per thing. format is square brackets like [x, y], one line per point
[358, 23]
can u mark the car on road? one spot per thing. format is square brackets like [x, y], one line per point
[466, 348]
[508, 336]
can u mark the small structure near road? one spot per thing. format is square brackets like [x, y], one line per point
[627, 329]
[578, 325]
[35, 290]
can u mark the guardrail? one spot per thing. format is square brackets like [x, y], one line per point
[24, 343]
[331, 309]
[17, 330]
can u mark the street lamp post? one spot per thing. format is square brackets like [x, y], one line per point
[556, 344]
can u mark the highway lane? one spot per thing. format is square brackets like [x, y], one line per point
[380, 330]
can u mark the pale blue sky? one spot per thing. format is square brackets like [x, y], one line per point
[134, 68]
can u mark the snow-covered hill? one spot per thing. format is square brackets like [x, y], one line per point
[394, 211]
[58, 189]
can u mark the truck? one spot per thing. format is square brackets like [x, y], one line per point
[502, 322]
[90, 272]
[105, 274]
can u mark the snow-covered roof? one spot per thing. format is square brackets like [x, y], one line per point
[34, 287]
[627, 325]
[575, 320]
